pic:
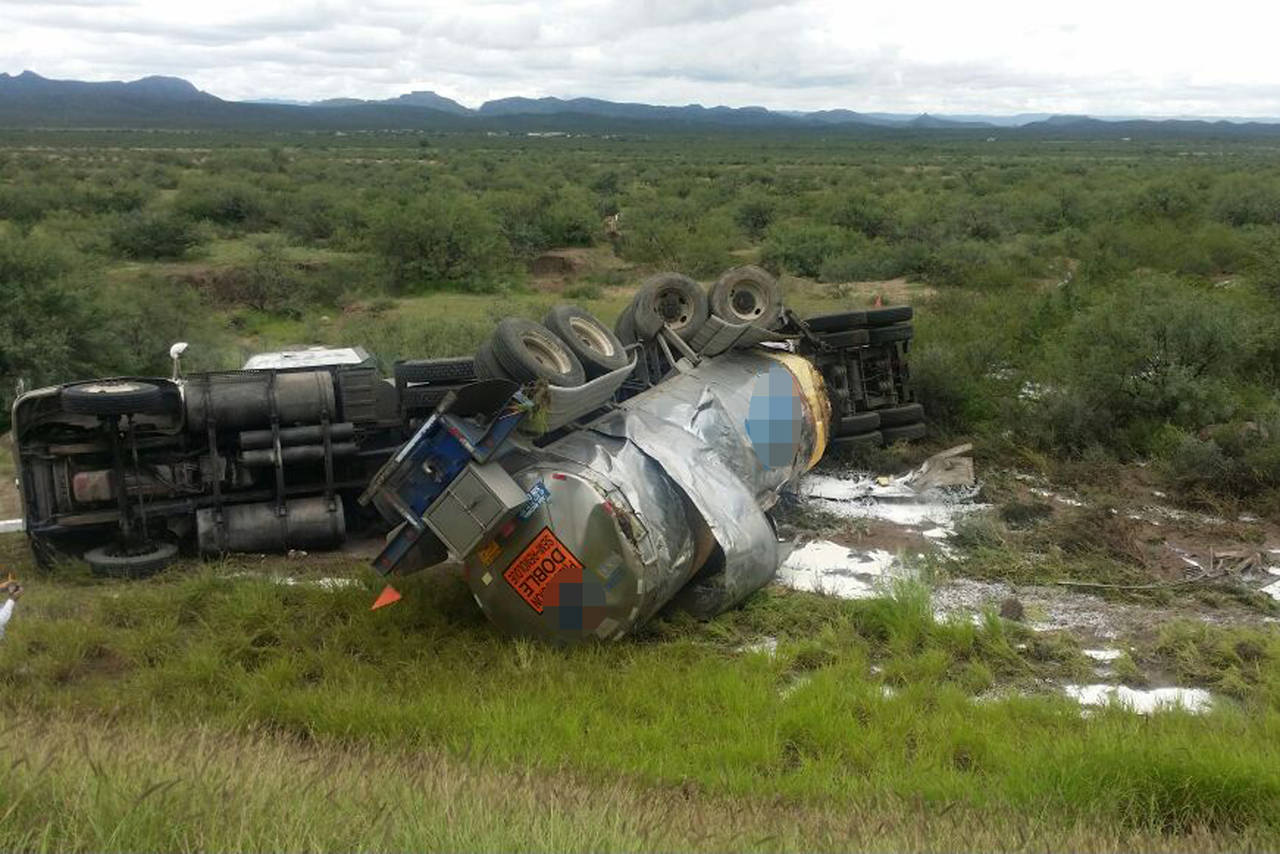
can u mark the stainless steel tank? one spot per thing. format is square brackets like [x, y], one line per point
[669, 488]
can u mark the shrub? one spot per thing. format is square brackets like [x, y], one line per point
[225, 202]
[153, 235]
[1239, 458]
[320, 215]
[754, 214]
[802, 248]
[1246, 200]
[682, 238]
[438, 240]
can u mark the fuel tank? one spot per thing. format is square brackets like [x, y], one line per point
[662, 498]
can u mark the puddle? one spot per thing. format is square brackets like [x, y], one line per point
[1194, 700]
[826, 567]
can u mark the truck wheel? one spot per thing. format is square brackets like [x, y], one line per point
[858, 440]
[595, 345]
[112, 397]
[625, 326]
[460, 369]
[905, 433]
[889, 334]
[896, 416]
[860, 422]
[747, 295]
[837, 322]
[118, 562]
[671, 300]
[426, 397]
[529, 351]
[886, 316]
[848, 338]
[487, 365]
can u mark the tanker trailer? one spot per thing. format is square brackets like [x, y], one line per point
[661, 497]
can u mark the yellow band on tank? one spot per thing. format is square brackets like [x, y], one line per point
[814, 392]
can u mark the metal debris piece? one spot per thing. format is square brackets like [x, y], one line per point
[945, 468]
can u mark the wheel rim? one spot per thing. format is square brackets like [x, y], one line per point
[591, 336]
[674, 308]
[746, 301]
[547, 354]
[109, 388]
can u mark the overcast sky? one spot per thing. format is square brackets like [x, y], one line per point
[1105, 58]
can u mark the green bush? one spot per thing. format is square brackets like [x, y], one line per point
[440, 240]
[1246, 200]
[1238, 458]
[225, 202]
[802, 248]
[153, 235]
[681, 238]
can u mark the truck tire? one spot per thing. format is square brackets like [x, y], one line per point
[905, 433]
[460, 369]
[747, 295]
[625, 326]
[487, 365]
[111, 560]
[425, 397]
[529, 351]
[896, 416]
[837, 322]
[890, 334]
[112, 397]
[671, 300]
[859, 422]
[595, 345]
[848, 338]
[888, 315]
[858, 440]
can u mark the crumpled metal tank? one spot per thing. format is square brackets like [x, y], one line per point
[662, 498]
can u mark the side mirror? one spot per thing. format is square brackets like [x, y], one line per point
[175, 353]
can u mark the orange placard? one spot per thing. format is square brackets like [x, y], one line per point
[532, 572]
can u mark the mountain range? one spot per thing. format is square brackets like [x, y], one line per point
[28, 100]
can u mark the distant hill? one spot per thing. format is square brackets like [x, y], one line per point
[413, 99]
[31, 101]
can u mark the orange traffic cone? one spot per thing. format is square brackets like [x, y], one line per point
[385, 598]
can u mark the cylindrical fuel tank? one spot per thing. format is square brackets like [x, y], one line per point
[308, 523]
[243, 399]
[621, 514]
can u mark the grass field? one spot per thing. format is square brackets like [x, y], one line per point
[267, 715]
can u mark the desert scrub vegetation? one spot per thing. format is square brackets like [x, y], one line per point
[867, 708]
[1092, 299]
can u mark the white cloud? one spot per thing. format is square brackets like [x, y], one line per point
[988, 55]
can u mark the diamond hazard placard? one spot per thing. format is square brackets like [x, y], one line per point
[535, 568]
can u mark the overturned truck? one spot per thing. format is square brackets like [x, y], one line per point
[592, 477]
[584, 477]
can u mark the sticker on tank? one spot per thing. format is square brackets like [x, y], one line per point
[535, 568]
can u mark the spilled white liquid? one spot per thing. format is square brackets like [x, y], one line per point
[822, 566]
[1194, 700]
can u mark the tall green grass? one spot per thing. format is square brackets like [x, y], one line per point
[866, 705]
